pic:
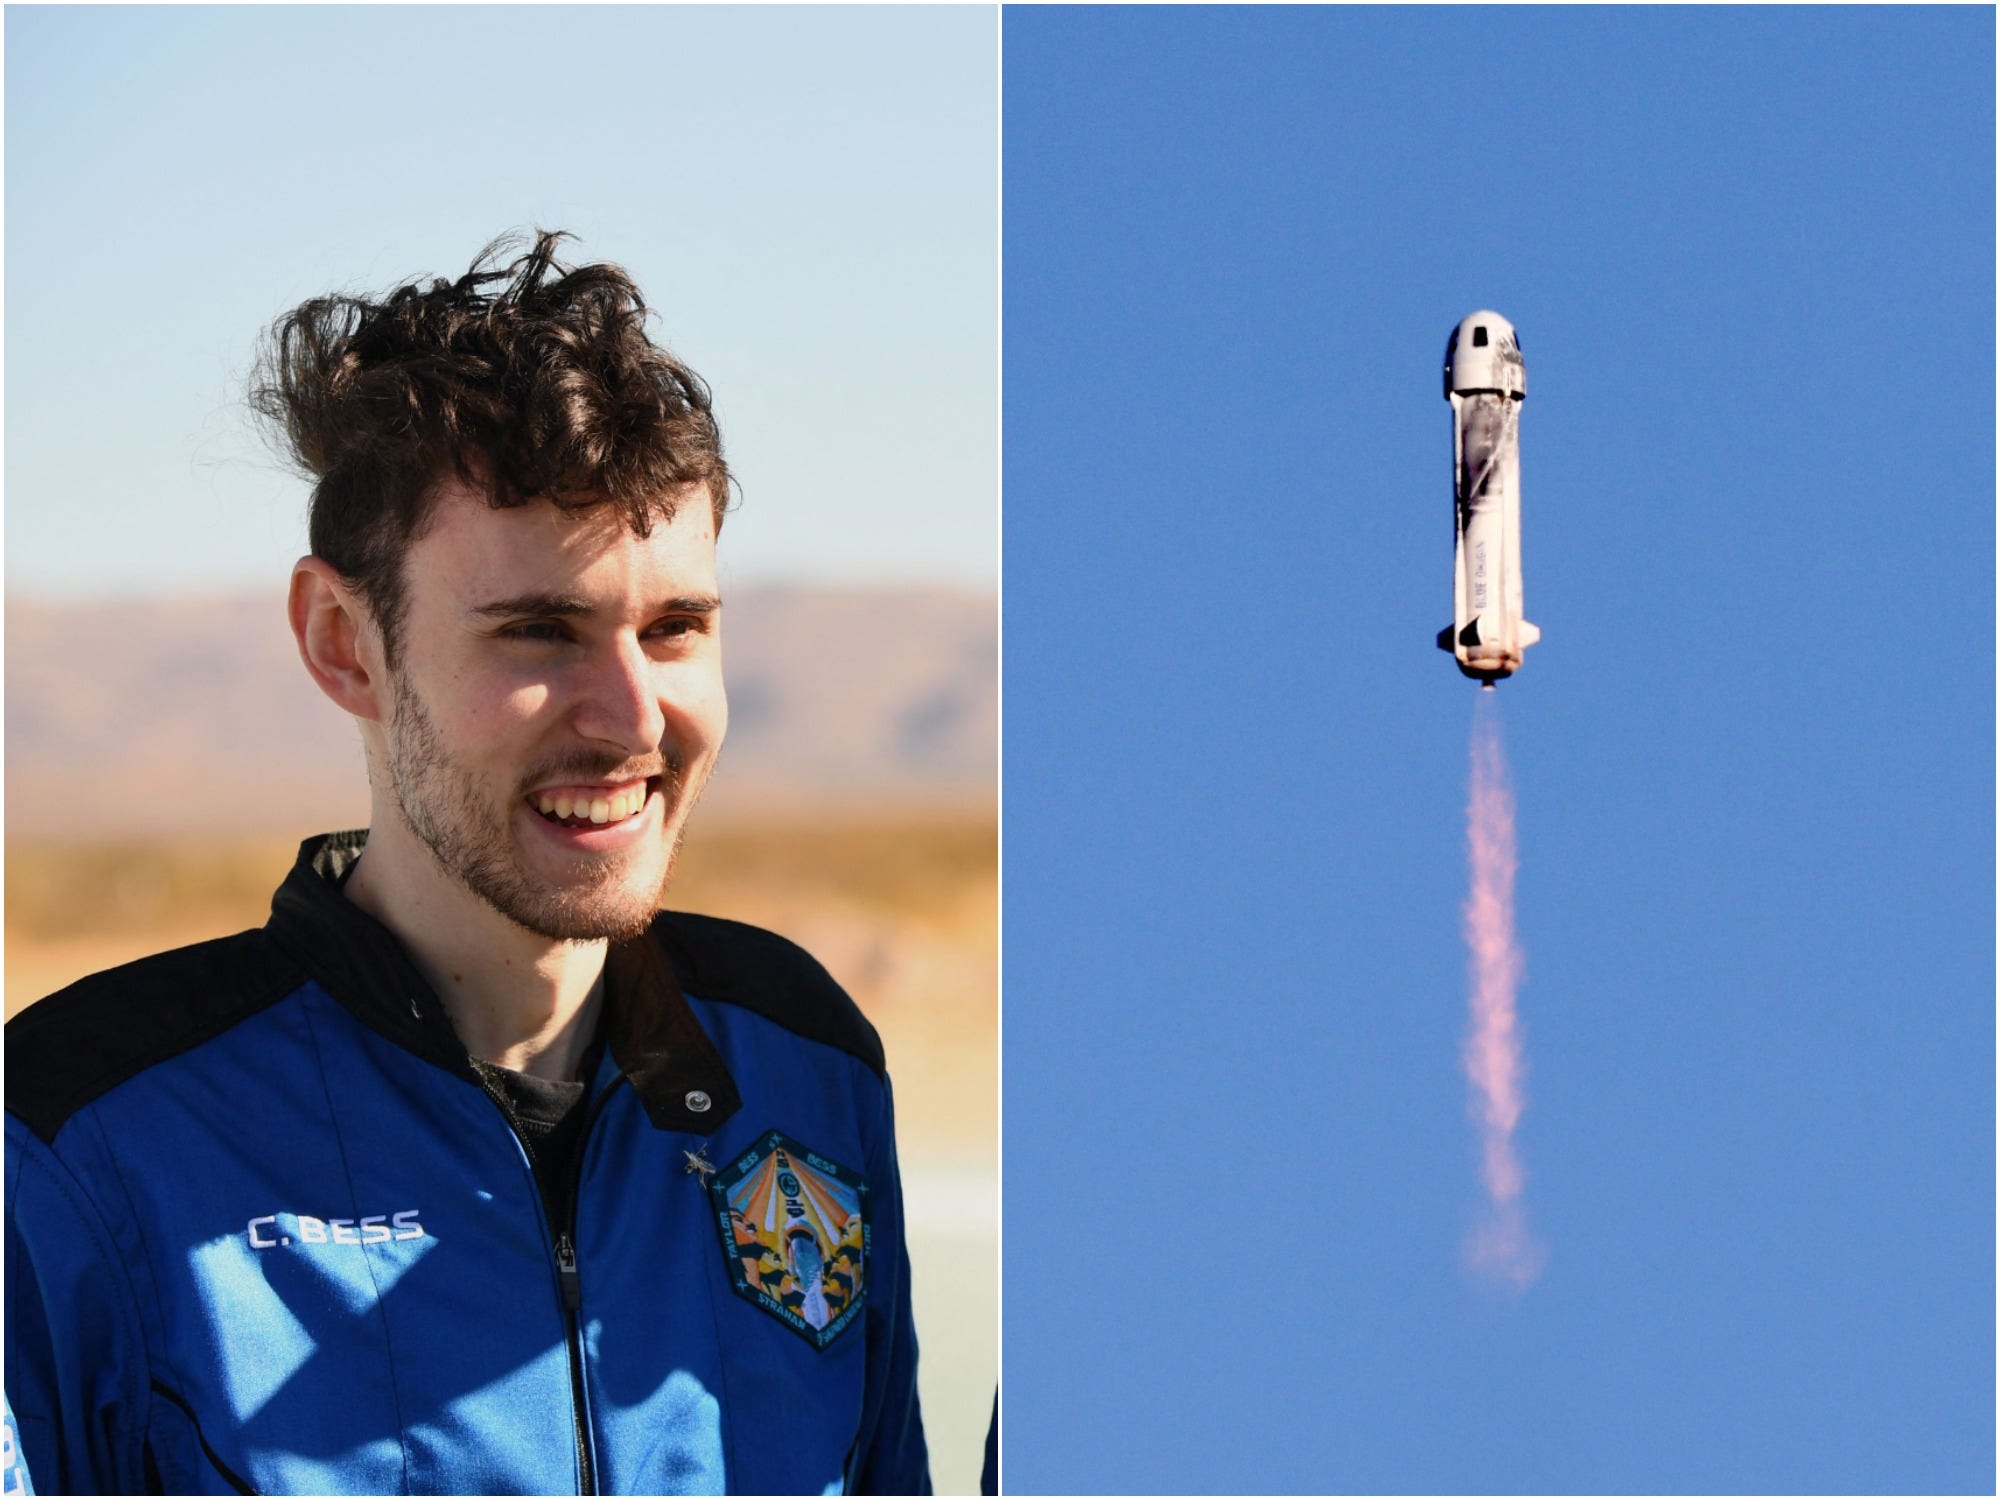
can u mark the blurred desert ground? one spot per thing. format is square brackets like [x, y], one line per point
[163, 759]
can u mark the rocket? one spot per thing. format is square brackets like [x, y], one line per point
[1486, 383]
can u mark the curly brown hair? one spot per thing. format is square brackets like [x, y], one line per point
[530, 380]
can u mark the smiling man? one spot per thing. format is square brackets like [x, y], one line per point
[472, 1171]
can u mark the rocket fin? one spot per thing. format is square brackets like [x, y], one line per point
[1529, 634]
[1470, 635]
[1444, 639]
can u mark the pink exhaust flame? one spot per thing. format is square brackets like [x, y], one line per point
[1501, 1246]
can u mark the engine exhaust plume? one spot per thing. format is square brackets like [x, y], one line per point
[1500, 1246]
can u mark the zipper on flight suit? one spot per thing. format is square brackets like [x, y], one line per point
[569, 1284]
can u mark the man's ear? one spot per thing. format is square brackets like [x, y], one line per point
[337, 640]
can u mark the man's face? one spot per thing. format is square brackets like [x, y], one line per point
[558, 706]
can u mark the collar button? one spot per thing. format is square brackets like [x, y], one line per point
[697, 1102]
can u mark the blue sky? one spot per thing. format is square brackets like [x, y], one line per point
[1751, 257]
[807, 196]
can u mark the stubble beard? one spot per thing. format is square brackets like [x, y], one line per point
[472, 841]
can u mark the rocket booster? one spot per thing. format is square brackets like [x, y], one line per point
[1486, 383]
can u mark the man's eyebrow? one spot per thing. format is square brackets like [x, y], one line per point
[533, 606]
[692, 604]
[555, 606]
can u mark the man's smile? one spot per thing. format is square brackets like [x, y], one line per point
[585, 806]
[599, 819]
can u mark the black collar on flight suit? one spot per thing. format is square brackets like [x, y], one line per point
[651, 1030]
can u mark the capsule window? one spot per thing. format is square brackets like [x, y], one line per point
[1479, 337]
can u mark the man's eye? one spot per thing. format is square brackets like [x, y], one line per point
[679, 625]
[536, 630]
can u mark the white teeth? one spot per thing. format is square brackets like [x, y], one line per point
[612, 809]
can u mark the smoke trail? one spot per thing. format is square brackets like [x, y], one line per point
[1501, 1245]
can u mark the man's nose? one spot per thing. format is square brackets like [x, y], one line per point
[620, 702]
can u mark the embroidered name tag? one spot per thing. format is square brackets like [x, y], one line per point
[795, 1235]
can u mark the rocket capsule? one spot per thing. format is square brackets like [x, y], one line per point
[1486, 383]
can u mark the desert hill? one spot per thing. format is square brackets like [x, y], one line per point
[146, 718]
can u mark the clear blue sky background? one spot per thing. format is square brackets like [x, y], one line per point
[807, 196]
[1751, 257]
